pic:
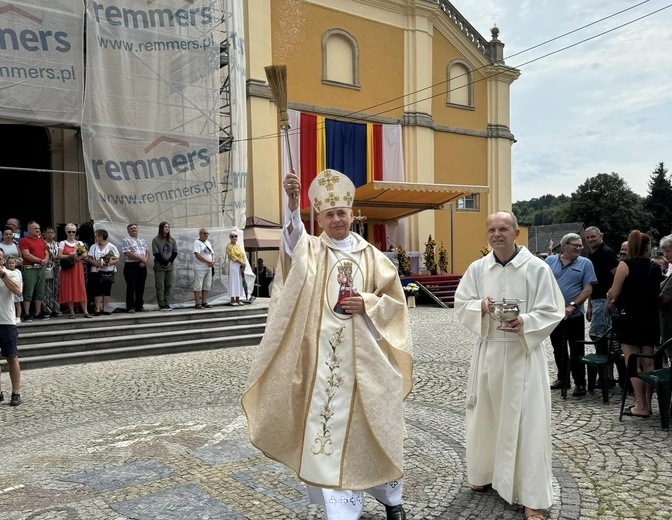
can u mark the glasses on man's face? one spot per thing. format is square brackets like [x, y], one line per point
[72, 232]
[576, 245]
[234, 236]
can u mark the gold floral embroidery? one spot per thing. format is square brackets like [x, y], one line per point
[323, 443]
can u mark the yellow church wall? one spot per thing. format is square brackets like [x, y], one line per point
[469, 229]
[381, 61]
[524, 237]
[460, 159]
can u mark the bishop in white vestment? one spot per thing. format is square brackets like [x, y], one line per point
[325, 391]
[508, 396]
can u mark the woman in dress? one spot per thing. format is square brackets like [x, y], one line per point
[73, 285]
[635, 295]
[237, 262]
[51, 287]
[103, 257]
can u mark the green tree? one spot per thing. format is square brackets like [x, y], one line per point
[606, 201]
[547, 209]
[659, 202]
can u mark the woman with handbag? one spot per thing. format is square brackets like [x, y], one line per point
[103, 257]
[71, 256]
[53, 271]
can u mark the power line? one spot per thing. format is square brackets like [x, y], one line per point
[535, 59]
[364, 117]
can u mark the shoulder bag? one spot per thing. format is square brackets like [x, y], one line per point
[107, 277]
[67, 263]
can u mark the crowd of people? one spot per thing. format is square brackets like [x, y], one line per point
[57, 277]
[631, 293]
[41, 277]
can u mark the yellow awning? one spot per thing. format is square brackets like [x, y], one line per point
[383, 202]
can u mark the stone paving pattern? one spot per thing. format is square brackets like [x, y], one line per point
[164, 438]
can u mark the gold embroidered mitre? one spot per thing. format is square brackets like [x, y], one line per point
[331, 189]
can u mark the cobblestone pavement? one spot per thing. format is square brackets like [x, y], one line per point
[165, 438]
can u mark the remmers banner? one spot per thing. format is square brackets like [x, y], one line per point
[41, 61]
[151, 112]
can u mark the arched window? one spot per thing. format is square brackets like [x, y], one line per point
[340, 59]
[460, 85]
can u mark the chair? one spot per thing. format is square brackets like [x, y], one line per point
[607, 350]
[658, 378]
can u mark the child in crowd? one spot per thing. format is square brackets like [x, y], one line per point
[11, 265]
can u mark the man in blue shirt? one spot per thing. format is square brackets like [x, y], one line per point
[575, 276]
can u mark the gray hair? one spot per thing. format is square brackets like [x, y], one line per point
[666, 241]
[593, 228]
[569, 237]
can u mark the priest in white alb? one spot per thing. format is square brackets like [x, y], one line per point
[508, 396]
[325, 392]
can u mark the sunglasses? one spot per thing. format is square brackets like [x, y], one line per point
[234, 236]
[71, 232]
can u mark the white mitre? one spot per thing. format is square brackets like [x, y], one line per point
[331, 189]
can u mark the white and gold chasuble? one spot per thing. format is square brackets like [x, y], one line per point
[325, 393]
[331, 401]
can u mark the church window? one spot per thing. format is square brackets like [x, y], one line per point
[340, 59]
[460, 85]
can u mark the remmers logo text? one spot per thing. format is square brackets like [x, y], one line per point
[150, 168]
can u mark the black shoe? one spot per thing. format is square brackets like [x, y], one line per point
[2, 397]
[42, 317]
[579, 391]
[557, 385]
[612, 383]
[395, 512]
[15, 400]
[28, 318]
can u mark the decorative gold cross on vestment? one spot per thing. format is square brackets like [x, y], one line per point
[328, 180]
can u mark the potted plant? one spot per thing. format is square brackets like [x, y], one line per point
[412, 290]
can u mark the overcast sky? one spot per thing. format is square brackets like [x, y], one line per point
[602, 106]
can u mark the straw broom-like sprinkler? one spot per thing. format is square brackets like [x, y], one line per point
[276, 75]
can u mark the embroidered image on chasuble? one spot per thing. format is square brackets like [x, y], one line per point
[333, 388]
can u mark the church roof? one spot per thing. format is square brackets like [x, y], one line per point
[464, 26]
[539, 237]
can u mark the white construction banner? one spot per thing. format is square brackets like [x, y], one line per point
[235, 194]
[41, 61]
[151, 112]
